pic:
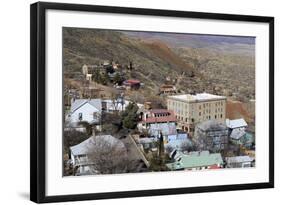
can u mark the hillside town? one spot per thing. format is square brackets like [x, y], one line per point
[112, 126]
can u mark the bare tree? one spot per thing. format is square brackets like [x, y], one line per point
[188, 147]
[73, 137]
[114, 100]
[109, 157]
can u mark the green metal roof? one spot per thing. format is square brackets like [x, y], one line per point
[195, 160]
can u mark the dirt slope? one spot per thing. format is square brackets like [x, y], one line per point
[235, 109]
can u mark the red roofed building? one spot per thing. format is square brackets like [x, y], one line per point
[132, 84]
[158, 116]
[215, 166]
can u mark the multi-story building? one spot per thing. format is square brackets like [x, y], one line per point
[158, 120]
[211, 135]
[193, 109]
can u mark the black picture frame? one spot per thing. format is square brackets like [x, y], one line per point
[38, 100]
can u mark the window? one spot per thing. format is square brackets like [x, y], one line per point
[199, 113]
[215, 116]
[221, 115]
[80, 116]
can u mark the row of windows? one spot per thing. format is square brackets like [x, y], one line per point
[182, 113]
[80, 116]
[184, 119]
[216, 116]
[218, 110]
[180, 105]
[208, 105]
[162, 115]
[209, 111]
[193, 120]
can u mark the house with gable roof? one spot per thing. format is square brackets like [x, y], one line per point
[240, 124]
[238, 132]
[80, 153]
[195, 161]
[87, 110]
[239, 162]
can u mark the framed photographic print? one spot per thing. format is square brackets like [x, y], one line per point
[129, 102]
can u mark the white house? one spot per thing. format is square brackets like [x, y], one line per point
[88, 110]
[80, 152]
[236, 135]
[239, 162]
[236, 124]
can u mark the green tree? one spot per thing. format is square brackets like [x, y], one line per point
[97, 76]
[156, 163]
[104, 79]
[161, 145]
[117, 78]
[87, 126]
[130, 116]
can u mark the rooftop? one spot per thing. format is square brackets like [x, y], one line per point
[165, 128]
[236, 123]
[91, 143]
[133, 81]
[211, 125]
[197, 97]
[238, 159]
[195, 159]
[167, 86]
[177, 144]
[170, 118]
[80, 102]
[237, 134]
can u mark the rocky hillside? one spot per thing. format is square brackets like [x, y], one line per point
[216, 64]
[226, 63]
[152, 61]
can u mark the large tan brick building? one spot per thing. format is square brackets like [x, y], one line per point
[193, 109]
